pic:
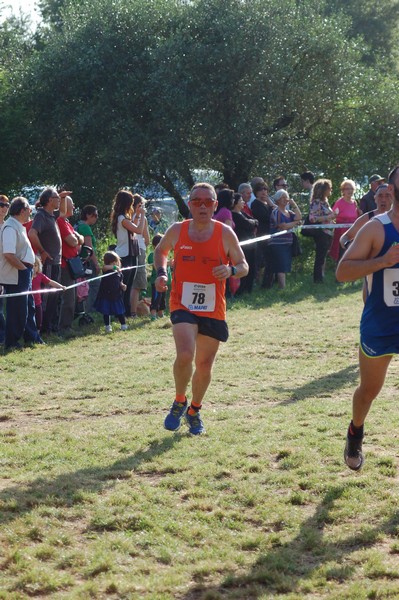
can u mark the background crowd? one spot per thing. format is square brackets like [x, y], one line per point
[39, 252]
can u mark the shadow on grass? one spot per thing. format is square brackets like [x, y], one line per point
[65, 490]
[284, 568]
[322, 386]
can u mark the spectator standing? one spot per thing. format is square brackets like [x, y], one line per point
[283, 219]
[321, 213]
[44, 235]
[262, 208]
[245, 229]
[346, 211]
[16, 265]
[158, 299]
[71, 242]
[383, 197]
[255, 181]
[279, 183]
[4, 206]
[223, 214]
[88, 218]
[367, 202]
[245, 189]
[307, 181]
[39, 280]
[143, 239]
[124, 226]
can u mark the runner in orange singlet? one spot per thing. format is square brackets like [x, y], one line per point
[203, 250]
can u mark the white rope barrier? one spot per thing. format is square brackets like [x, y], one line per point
[270, 235]
[243, 243]
[69, 287]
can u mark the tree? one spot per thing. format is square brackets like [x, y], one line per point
[376, 22]
[16, 44]
[127, 89]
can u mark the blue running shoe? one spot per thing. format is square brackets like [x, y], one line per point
[173, 419]
[195, 424]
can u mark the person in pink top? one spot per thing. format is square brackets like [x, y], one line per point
[39, 281]
[223, 213]
[347, 211]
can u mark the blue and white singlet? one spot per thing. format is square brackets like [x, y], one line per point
[379, 325]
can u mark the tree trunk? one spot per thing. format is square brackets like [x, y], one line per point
[164, 180]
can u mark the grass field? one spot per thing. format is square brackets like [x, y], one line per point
[98, 500]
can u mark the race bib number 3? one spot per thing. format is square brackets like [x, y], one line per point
[199, 297]
[391, 287]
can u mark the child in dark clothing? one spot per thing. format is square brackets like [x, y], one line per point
[110, 295]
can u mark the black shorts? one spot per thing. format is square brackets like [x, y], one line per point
[214, 328]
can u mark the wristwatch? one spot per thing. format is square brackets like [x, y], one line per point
[233, 270]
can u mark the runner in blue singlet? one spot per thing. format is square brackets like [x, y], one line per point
[374, 254]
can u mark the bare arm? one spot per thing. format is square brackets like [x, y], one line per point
[132, 227]
[55, 284]
[236, 256]
[14, 261]
[361, 258]
[34, 238]
[161, 252]
[349, 235]
[146, 233]
[296, 210]
[73, 240]
[89, 242]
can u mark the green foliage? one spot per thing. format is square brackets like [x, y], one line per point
[16, 45]
[376, 22]
[115, 92]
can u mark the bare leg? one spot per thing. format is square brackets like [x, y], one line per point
[372, 377]
[206, 351]
[134, 298]
[281, 280]
[185, 335]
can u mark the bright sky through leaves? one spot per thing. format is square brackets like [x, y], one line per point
[14, 6]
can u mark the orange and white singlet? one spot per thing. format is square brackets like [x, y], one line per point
[194, 288]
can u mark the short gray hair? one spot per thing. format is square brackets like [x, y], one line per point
[244, 186]
[206, 186]
[279, 194]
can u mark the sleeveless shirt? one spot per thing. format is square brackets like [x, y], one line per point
[194, 288]
[380, 316]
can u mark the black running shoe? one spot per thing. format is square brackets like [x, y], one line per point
[353, 455]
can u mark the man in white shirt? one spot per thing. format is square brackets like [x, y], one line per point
[16, 266]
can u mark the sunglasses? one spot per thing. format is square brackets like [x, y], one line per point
[207, 202]
[4, 204]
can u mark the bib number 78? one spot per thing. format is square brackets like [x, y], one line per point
[199, 297]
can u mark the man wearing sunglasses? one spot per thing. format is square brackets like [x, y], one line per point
[206, 253]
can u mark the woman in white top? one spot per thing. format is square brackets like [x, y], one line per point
[124, 227]
[143, 239]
